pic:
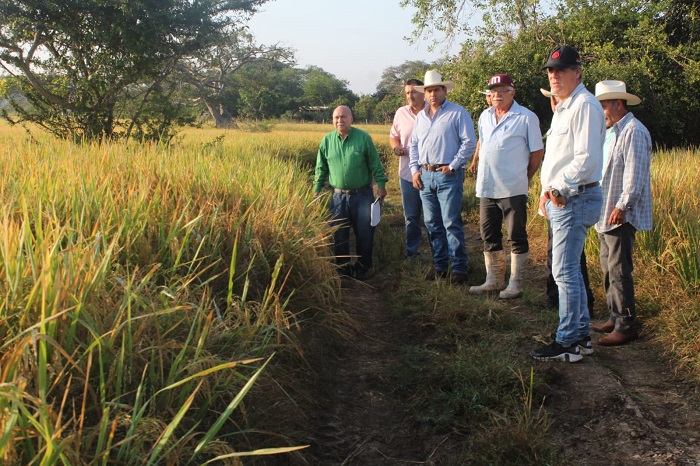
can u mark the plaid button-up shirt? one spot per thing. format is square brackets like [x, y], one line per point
[626, 176]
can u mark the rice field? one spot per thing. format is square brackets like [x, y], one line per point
[144, 288]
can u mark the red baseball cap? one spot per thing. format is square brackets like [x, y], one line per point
[500, 80]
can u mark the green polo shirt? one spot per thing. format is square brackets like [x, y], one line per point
[348, 163]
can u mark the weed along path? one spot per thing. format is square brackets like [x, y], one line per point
[620, 406]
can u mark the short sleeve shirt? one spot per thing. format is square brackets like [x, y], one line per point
[504, 151]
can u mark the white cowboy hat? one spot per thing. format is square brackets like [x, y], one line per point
[432, 79]
[613, 90]
[546, 93]
[486, 92]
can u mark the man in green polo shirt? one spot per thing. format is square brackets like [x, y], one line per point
[348, 160]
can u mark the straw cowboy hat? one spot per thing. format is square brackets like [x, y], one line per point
[546, 93]
[432, 79]
[613, 90]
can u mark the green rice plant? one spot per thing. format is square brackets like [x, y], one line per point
[138, 286]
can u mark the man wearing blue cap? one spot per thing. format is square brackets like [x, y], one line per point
[571, 197]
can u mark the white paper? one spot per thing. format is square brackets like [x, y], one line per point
[376, 214]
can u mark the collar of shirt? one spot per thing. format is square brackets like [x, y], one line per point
[427, 109]
[514, 110]
[343, 138]
[620, 125]
[569, 100]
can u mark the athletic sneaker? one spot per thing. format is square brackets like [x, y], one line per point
[585, 346]
[556, 352]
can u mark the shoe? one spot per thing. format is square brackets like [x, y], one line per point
[434, 274]
[556, 352]
[607, 327]
[585, 346]
[347, 270]
[361, 273]
[616, 338]
[458, 278]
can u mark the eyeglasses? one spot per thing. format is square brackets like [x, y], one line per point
[500, 91]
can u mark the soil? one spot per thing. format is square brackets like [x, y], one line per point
[619, 406]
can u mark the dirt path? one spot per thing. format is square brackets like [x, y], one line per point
[365, 421]
[623, 406]
[619, 406]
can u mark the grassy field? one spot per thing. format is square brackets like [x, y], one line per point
[144, 289]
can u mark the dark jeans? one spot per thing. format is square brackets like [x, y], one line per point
[353, 211]
[512, 211]
[410, 198]
[616, 261]
[552, 289]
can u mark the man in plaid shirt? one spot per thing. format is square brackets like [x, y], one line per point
[626, 206]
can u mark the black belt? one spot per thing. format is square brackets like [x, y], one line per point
[349, 191]
[433, 168]
[584, 187]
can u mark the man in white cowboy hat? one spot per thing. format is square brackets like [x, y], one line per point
[511, 151]
[571, 197]
[442, 142]
[626, 207]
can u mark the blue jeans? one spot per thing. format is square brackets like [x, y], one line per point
[442, 210]
[570, 225]
[353, 210]
[410, 198]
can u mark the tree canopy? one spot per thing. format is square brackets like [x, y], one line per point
[651, 45]
[77, 61]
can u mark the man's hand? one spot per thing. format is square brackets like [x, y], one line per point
[317, 193]
[473, 165]
[543, 203]
[617, 217]
[557, 201]
[446, 170]
[400, 151]
[417, 181]
[381, 193]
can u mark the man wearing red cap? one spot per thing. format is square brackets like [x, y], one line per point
[510, 153]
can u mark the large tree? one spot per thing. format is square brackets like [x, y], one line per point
[76, 60]
[213, 70]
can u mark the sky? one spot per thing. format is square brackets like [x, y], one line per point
[353, 39]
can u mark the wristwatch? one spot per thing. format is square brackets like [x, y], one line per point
[555, 192]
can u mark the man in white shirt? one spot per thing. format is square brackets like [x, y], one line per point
[511, 151]
[571, 197]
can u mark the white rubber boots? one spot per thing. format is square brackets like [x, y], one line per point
[517, 268]
[495, 263]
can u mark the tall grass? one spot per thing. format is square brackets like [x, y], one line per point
[140, 288]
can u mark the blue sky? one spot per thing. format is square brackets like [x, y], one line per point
[353, 39]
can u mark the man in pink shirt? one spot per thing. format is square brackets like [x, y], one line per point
[399, 139]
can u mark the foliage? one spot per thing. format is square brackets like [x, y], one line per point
[76, 62]
[214, 73]
[644, 43]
